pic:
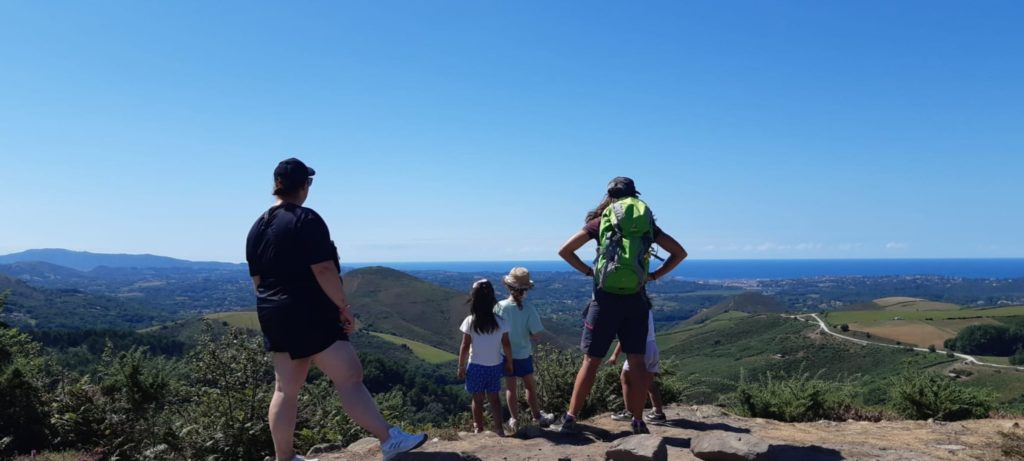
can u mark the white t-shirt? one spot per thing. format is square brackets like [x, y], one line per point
[485, 349]
[650, 326]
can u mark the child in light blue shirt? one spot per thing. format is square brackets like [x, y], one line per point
[523, 326]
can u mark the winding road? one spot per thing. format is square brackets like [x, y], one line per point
[965, 357]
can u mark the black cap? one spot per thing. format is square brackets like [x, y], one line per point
[622, 187]
[292, 172]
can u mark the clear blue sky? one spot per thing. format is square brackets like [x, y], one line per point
[482, 130]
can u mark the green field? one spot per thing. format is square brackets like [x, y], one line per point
[839, 317]
[429, 354]
[241, 319]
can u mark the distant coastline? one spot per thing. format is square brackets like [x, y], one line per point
[759, 268]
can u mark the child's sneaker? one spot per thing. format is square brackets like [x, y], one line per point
[400, 442]
[653, 417]
[546, 419]
[623, 415]
[569, 425]
[640, 428]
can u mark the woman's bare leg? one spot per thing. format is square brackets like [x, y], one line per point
[340, 363]
[289, 375]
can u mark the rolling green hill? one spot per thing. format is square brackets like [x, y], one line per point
[388, 301]
[248, 320]
[749, 302]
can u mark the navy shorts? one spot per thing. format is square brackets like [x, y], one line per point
[521, 367]
[611, 315]
[483, 378]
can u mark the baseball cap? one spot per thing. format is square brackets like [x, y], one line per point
[292, 172]
[622, 187]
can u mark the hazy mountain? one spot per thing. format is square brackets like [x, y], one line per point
[84, 260]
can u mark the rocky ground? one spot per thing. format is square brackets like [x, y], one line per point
[708, 433]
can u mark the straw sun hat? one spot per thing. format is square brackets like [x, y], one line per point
[519, 278]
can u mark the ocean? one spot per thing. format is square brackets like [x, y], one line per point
[723, 269]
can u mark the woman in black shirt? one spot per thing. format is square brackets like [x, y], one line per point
[305, 316]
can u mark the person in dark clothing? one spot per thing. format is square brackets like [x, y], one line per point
[610, 315]
[305, 316]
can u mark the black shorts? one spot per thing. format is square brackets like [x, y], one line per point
[301, 331]
[609, 316]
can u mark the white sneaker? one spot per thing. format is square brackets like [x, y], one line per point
[513, 424]
[299, 458]
[546, 419]
[400, 442]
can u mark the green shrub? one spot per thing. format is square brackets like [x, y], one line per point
[924, 395]
[230, 388]
[801, 397]
[1017, 358]
[23, 416]
[556, 373]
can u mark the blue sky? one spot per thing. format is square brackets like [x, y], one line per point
[482, 130]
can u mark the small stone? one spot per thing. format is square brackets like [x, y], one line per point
[325, 448]
[565, 459]
[951, 447]
[645, 447]
[1014, 425]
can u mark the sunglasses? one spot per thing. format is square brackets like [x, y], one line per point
[309, 182]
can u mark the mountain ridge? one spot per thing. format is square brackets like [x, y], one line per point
[86, 261]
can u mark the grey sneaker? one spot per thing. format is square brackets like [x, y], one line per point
[569, 425]
[640, 428]
[623, 415]
[653, 417]
[400, 442]
[546, 419]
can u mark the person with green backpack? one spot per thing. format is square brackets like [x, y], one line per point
[625, 231]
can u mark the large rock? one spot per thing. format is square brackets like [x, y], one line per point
[644, 447]
[728, 446]
[365, 444]
[324, 448]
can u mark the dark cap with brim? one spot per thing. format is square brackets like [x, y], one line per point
[292, 172]
[622, 187]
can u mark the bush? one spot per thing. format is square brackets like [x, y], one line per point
[931, 348]
[556, 373]
[844, 328]
[797, 398]
[925, 395]
[1018, 358]
[23, 416]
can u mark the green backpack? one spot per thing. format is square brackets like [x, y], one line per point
[625, 236]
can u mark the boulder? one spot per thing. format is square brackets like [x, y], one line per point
[364, 445]
[324, 448]
[728, 446]
[644, 447]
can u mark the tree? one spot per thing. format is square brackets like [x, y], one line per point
[931, 348]
[844, 328]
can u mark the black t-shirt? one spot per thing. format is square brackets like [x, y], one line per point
[281, 246]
